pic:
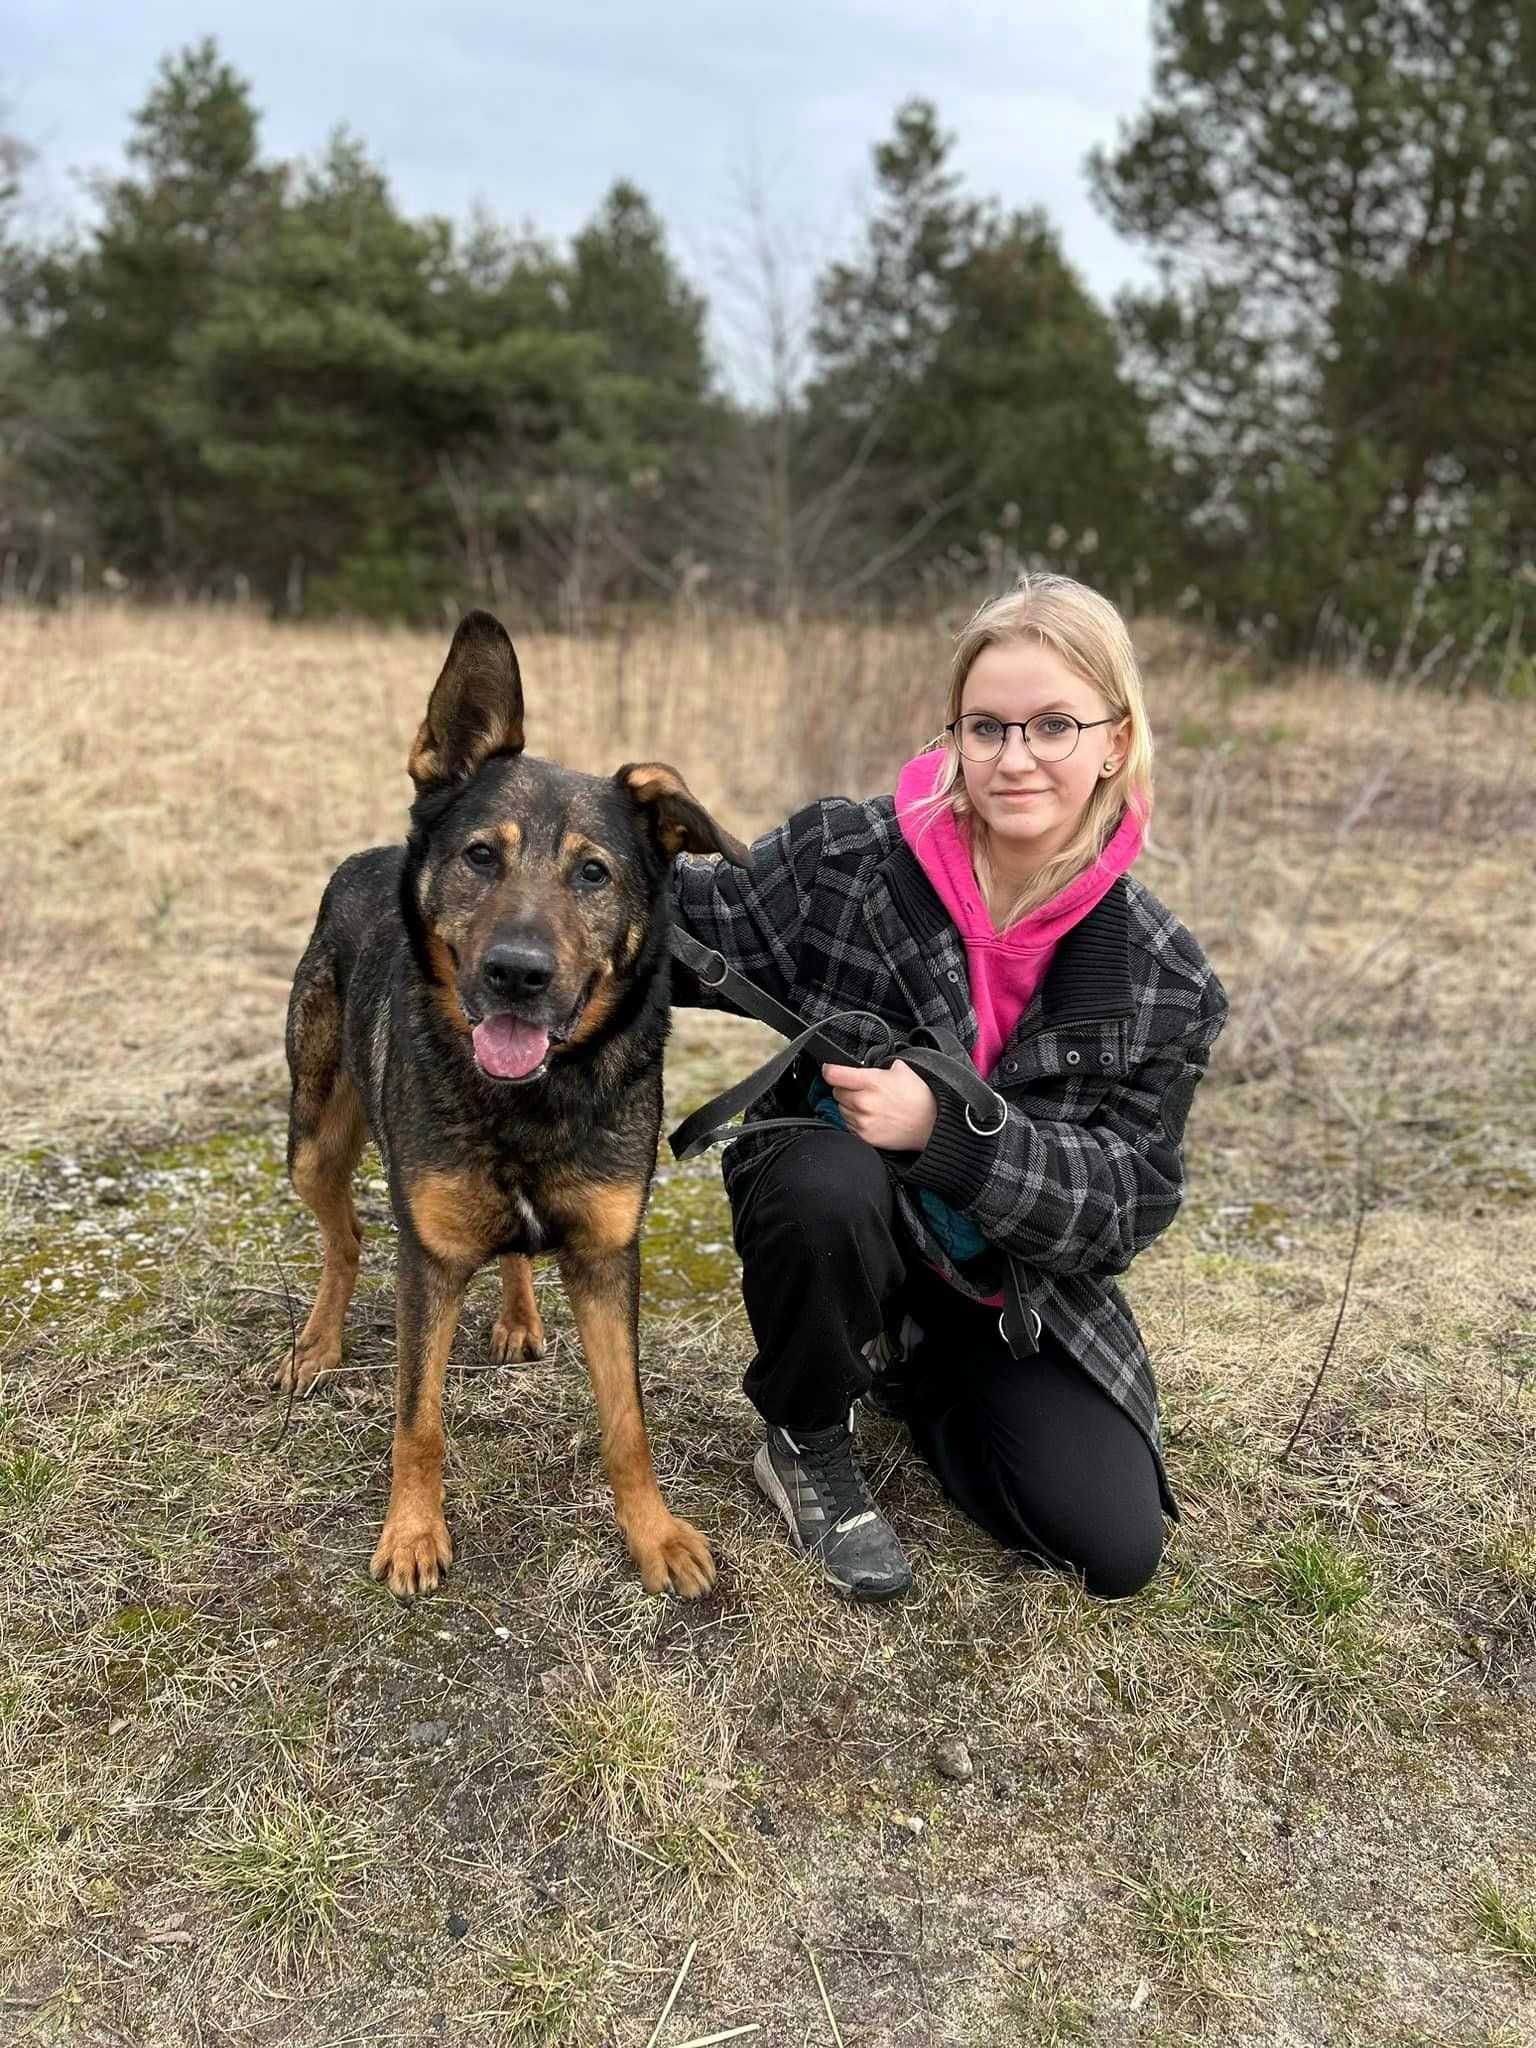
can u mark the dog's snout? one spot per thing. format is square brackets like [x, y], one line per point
[517, 971]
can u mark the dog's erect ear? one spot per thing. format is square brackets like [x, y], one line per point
[476, 706]
[679, 820]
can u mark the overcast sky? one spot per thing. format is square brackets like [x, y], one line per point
[535, 110]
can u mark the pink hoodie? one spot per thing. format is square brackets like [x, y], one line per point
[1006, 967]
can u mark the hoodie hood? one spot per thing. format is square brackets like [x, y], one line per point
[940, 843]
[1004, 968]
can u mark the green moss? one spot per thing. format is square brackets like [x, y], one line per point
[145, 1625]
[95, 1244]
[149, 1649]
[687, 1258]
[54, 1279]
[92, 1239]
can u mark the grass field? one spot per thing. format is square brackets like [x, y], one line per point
[1287, 1795]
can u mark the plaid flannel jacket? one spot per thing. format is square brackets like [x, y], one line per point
[835, 913]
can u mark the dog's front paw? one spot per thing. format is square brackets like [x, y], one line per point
[512, 1342]
[295, 1370]
[414, 1550]
[672, 1556]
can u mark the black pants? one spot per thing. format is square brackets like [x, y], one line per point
[1031, 1449]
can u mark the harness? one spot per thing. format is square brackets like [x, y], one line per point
[929, 1050]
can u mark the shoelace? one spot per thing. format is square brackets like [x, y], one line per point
[834, 1465]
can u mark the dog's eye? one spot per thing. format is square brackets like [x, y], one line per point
[479, 855]
[592, 874]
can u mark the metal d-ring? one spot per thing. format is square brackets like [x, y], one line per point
[989, 1131]
[725, 968]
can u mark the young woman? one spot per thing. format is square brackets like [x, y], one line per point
[957, 1268]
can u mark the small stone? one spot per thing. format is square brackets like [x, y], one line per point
[426, 1734]
[763, 1821]
[952, 1759]
[458, 1926]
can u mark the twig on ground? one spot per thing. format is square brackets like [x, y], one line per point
[826, 2003]
[1367, 1129]
[1333, 1337]
[677, 1985]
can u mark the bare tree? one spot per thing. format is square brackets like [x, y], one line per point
[783, 518]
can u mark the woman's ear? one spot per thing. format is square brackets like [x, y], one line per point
[1119, 740]
[680, 822]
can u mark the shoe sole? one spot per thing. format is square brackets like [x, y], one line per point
[771, 1485]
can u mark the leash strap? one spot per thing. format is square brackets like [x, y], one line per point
[930, 1050]
[715, 1122]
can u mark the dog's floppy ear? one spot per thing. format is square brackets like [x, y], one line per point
[679, 820]
[476, 706]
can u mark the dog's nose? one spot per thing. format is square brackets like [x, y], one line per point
[517, 971]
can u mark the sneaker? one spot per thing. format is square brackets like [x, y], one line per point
[888, 1354]
[814, 1481]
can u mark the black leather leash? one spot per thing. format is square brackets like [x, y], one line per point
[929, 1050]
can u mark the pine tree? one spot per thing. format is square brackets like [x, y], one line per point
[986, 417]
[119, 313]
[1343, 199]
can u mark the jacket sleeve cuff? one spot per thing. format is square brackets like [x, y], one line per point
[956, 1161]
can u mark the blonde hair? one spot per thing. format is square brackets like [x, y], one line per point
[1089, 635]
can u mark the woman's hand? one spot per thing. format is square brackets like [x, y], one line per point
[891, 1107]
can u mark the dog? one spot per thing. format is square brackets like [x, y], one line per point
[490, 1002]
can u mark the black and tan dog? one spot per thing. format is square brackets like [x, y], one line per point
[490, 1001]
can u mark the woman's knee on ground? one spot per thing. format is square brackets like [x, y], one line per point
[1043, 1460]
[1115, 1563]
[1113, 1550]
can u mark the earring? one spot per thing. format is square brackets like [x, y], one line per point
[1108, 768]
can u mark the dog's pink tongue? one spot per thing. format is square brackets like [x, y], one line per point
[508, 1049]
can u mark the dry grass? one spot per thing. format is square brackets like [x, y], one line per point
[177, 790]
[1285, 1795]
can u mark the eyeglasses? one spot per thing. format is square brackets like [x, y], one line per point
[1049, 735]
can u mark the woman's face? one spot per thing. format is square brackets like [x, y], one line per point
[1032, 807]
